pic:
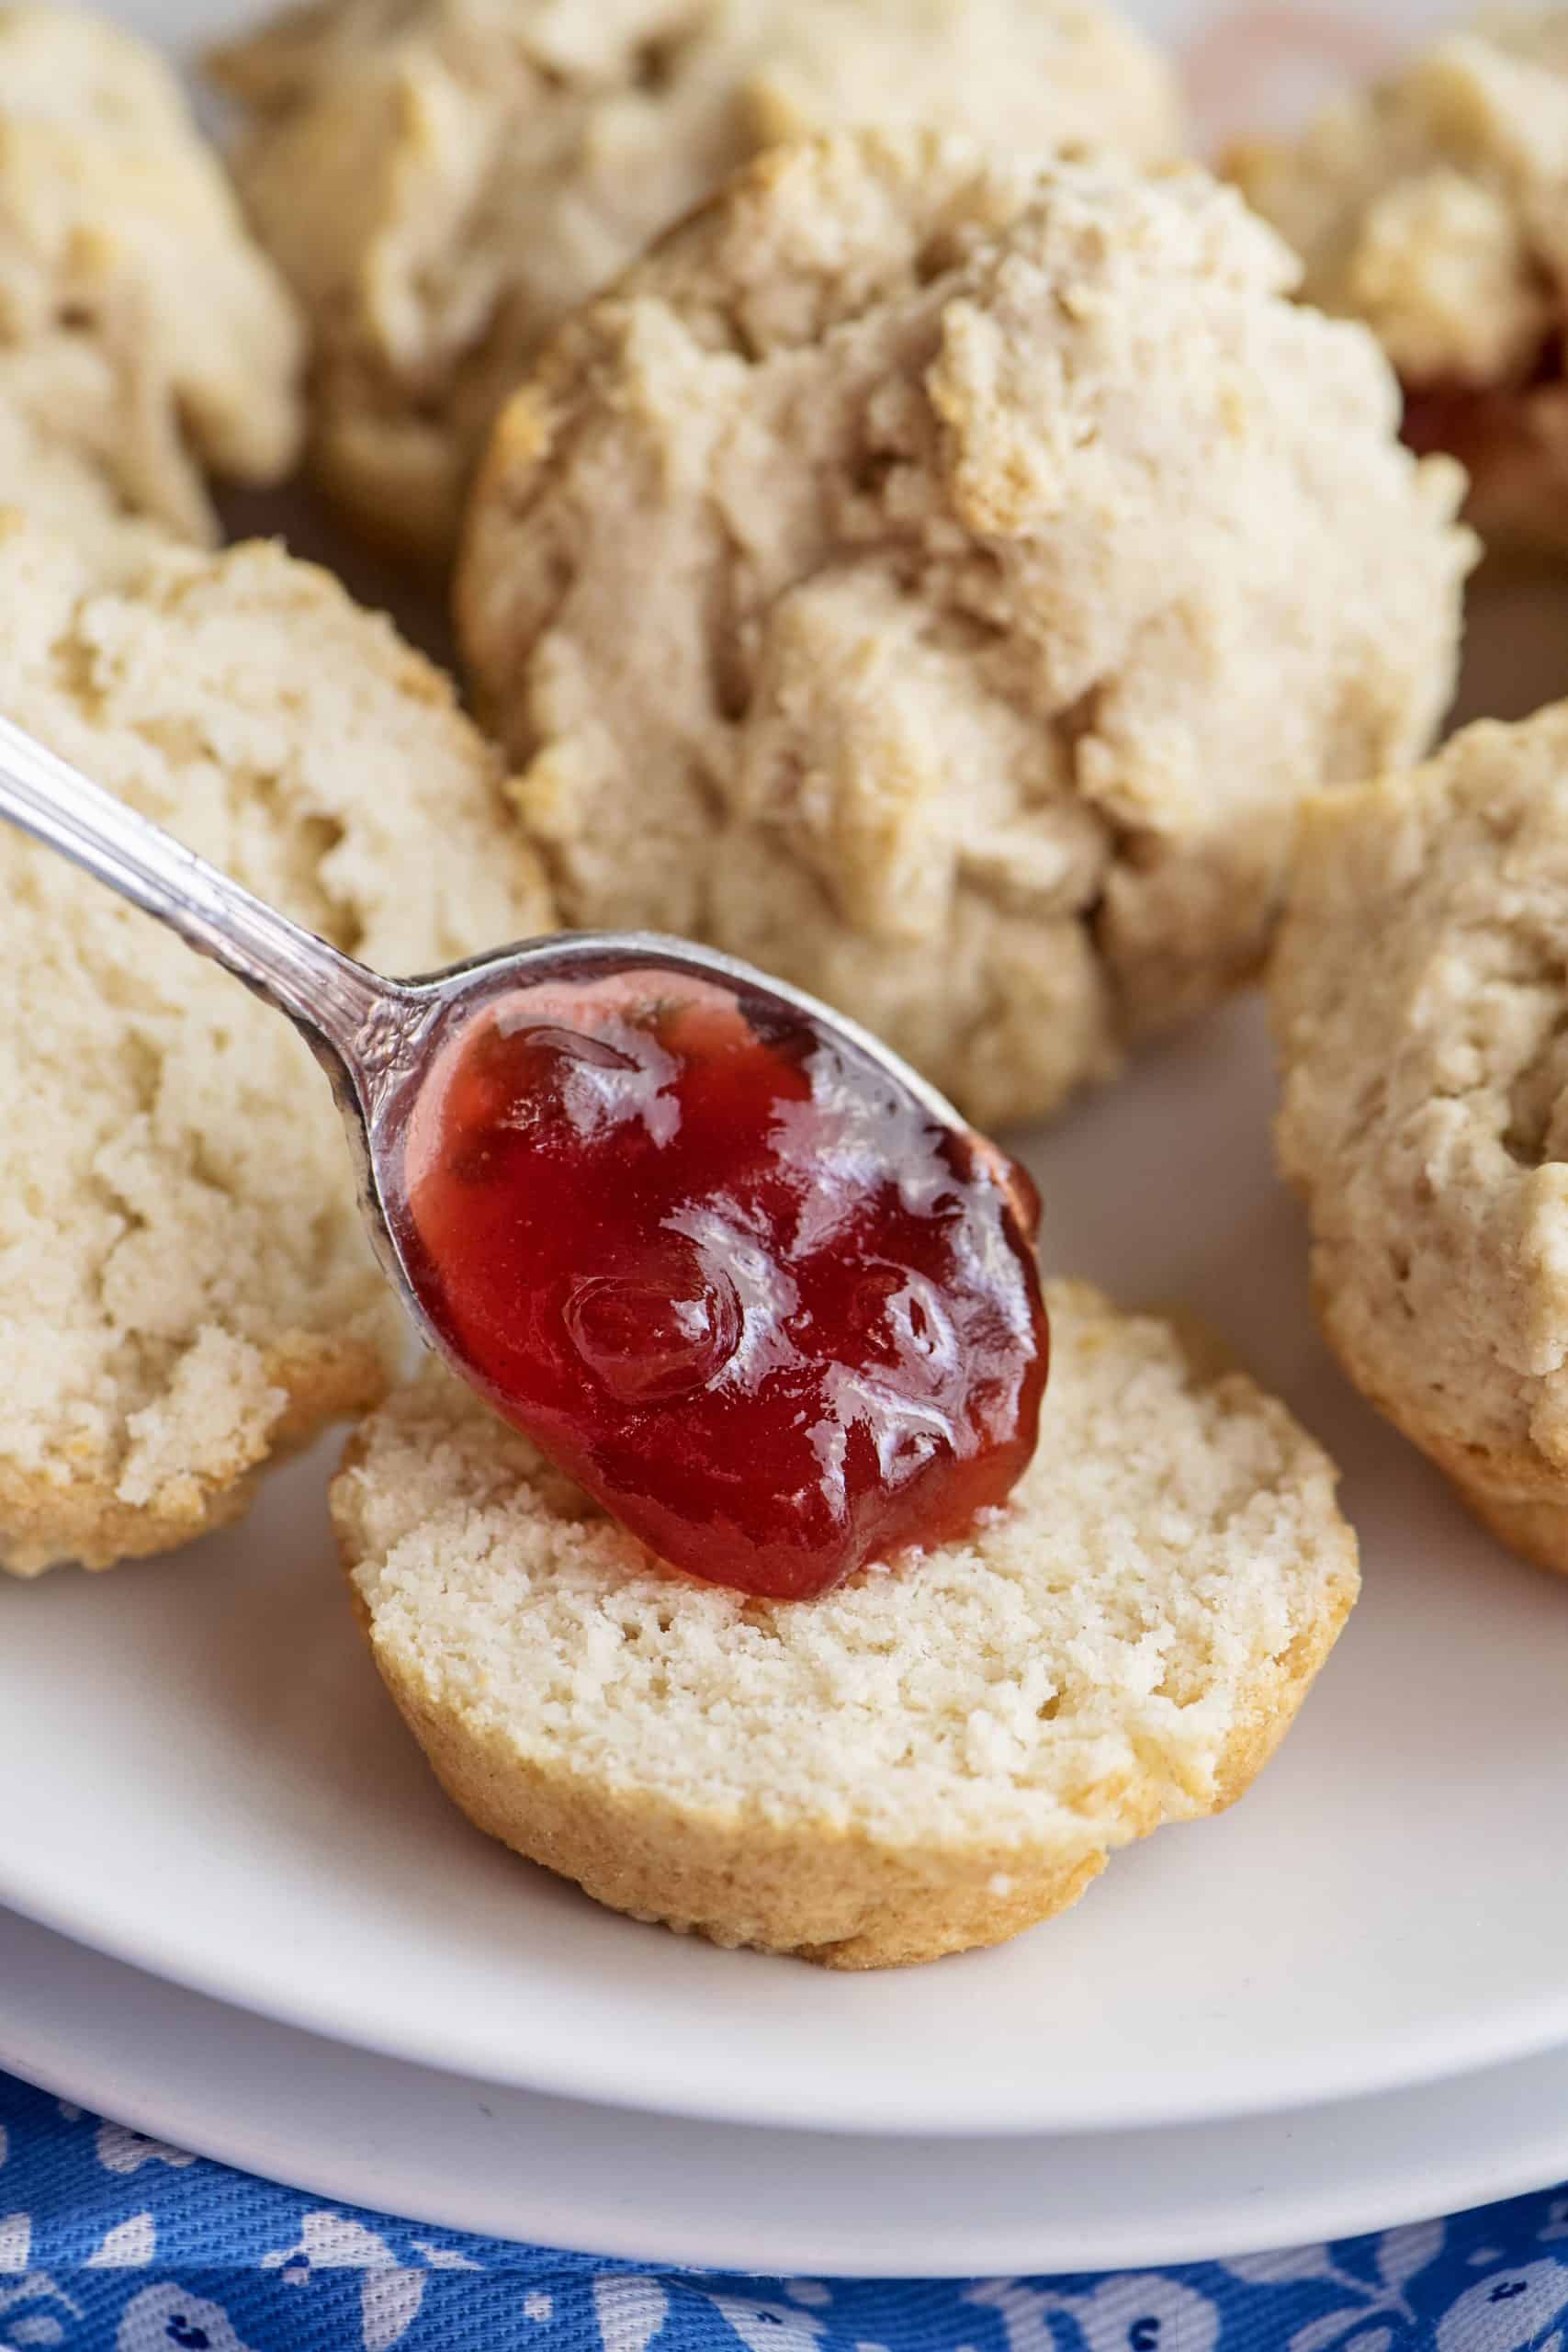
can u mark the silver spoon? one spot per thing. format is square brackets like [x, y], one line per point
[376, 1038]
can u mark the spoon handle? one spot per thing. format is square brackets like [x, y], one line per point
[325, 993]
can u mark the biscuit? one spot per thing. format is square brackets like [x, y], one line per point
[935, 1754]
[939, 578]
[145, 340]
[185, 1289]
[1420, 1006]
[442, 181]
[1434, 207]
[56, 484]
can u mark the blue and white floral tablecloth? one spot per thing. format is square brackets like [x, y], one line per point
[113, 2243]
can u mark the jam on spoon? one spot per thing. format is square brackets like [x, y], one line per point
[726, 1258]
[730, 1274]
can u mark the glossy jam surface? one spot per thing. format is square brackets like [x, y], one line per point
[733, 1278]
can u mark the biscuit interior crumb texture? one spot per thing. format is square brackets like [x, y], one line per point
[938, 579]
[184, 1285]
[145, 340]
[932, 1755]
[444, 180]
[1421, 1011]
[1433, 205]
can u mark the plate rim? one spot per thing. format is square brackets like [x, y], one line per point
[1428, 2058]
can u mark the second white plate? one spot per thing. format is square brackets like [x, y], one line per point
[431, 2147]
[217, 1789]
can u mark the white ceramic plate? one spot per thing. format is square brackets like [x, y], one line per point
[217, 1790]
[433, 2148]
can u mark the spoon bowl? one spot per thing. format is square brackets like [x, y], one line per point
[379, 1062]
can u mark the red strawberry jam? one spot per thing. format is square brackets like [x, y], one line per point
[731, 1274]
